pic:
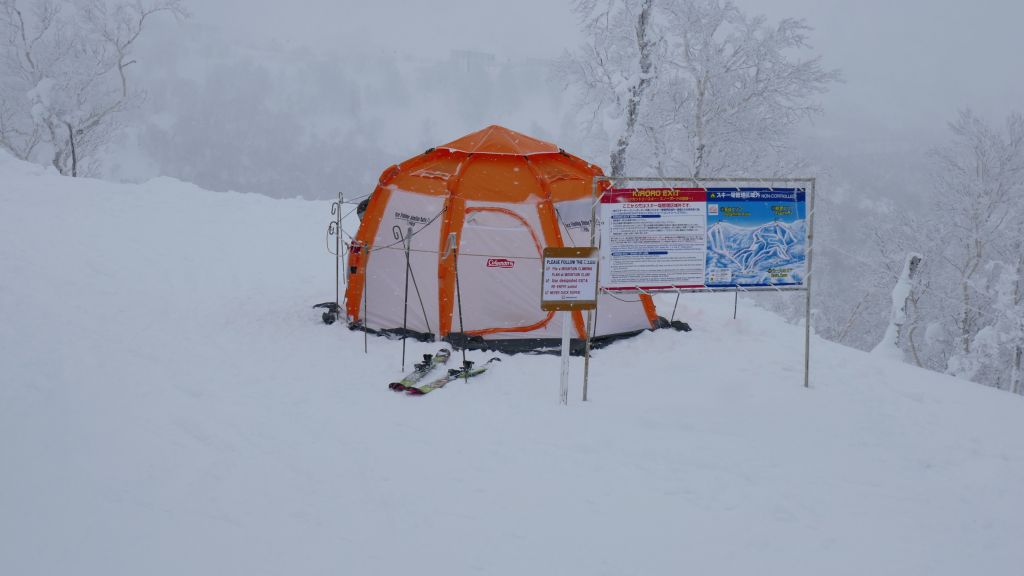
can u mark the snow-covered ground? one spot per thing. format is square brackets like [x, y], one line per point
[170, 404]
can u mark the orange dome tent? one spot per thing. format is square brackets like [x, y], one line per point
[504, 196]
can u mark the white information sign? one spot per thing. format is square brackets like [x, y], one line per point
[694, 238]
[569, 279]
[654, 238]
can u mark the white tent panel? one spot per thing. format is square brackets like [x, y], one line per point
[386, 265]
[500, 270]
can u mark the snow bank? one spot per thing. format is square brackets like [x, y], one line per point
[171, 405]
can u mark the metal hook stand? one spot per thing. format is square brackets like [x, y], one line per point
[334, 228]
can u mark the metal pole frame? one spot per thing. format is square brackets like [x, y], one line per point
[807, 309]
[563, 391]
[407, 240]
[337, 248]
[335, 228]
[337, 252]
[590, 313]
[462, 328]
[808, 183]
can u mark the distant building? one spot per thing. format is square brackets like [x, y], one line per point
[468, 60]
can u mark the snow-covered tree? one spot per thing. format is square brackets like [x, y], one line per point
[738, 89]
[1000, 346]
[979, 184]
[693, 87]
[65, 73]
[614, 70]
[891, 344]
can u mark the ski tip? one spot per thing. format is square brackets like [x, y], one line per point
[396, 386]
[414, 392]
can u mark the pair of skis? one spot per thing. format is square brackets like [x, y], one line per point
[431, 361]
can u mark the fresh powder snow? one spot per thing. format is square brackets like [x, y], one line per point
[170, 404]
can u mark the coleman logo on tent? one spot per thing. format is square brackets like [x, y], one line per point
[500, 263]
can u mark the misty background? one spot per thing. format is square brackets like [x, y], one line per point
[353, 87]
[316, 97]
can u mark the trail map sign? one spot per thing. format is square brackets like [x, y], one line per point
[569, 279]
[692, 238]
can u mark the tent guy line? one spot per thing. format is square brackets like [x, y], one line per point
[411, 236]
[426, 251]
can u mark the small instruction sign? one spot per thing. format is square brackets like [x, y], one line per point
[569, 279]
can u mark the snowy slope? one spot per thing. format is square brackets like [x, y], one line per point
[169, 404]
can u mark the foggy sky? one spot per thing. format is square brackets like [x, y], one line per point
[909, 65]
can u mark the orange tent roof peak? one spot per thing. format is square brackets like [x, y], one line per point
[499, 140]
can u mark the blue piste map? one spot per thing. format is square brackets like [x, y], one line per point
[756, 237]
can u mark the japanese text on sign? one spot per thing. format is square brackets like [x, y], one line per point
[679, 238]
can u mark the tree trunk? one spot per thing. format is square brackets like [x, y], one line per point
[636, 93]
[913, 347]
[966, 319]
[1016, 377]
[74, 154]
[1016, 383]
[698, 163]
